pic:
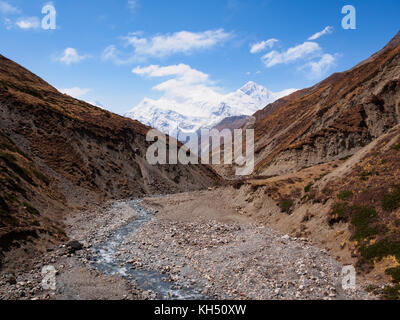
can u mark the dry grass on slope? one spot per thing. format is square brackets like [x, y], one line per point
[339, 115]
[367, 198]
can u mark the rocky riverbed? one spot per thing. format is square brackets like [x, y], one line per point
[232, 261]
[137, 250]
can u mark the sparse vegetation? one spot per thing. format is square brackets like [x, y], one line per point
[396, 147]
[5, 146]
[7, 157]
[238, 184]
[367, 226]
[391, 201]
[394, 273]
[308, 187]
[6, 217]
[345, 195]
[10, 197]
[10, 147]
[391, 292]
[310, 196]
[31, 209]
[346, 158]
[286, 205]
[10, 160]
[5, 214]
[41, 176]
[364, 221]
[339, 213]
[381, 249]
[372, 288]
[365, 175]
[27, 90]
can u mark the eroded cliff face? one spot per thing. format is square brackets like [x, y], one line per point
[59, 153]
[333, 119]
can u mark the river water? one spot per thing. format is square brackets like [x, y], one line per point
[107, 262]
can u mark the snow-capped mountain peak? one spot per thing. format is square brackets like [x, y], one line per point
[257, 92]
[173, 118]
[253, 89]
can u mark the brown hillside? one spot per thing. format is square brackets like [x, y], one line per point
[366, 195]
[328, 167]
[58, 153]
[334, 118]
[231, 123]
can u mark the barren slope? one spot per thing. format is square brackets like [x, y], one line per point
[58, 153]
[328, 166]
[334, 118]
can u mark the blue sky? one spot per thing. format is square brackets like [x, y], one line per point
[118, 52]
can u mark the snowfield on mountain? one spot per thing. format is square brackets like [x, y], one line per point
[176, 119]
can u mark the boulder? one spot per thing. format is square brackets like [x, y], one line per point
[74, 246]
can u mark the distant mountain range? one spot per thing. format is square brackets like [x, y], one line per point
[202, 114]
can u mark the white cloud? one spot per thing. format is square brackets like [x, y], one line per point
[75, 92]
[70, 56]
[318, 68]
[179, 42]
[133, 4]
[165, 45]
[6, 8]
[28, 23]
[160, 46]
[189, 100]
[112, 53]
[305, 50]
[181, 70]
[8, 23]
[109, 53]
[185, 88]
[310, 54]
[260, 46]
[327, 30]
